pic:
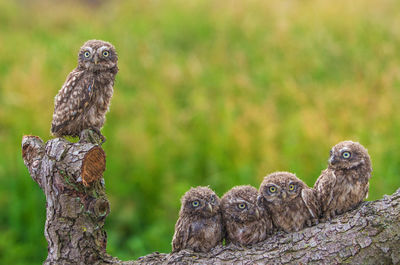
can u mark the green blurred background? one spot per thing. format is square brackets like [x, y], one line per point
[215, 93]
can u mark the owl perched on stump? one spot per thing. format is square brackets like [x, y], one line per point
[292, 204]
[199, 226]
[344, 184]
[84, 99]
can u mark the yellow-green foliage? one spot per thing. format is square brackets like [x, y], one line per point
[215, 93]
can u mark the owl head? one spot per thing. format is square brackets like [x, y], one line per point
[280, 187]
[97, 55]
[200, 201]
[347, 155]
[240, 204]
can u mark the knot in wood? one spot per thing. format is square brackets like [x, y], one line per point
[100, 208]
[32, 147]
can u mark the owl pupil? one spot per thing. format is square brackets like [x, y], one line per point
[346, 154]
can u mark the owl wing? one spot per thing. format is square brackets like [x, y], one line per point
[366, 191]
[181, 236]
[310, 200]
[366, 186]
[324, 188]
[71, 100]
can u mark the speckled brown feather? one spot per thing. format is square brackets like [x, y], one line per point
[198, 228]
[290, 210]
[247, 225]
[344, 184]
[84, 99]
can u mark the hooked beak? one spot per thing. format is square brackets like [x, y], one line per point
[210, 208]
[258, 214]
[332, 160]
[96, 60]
[259, 200]
[284, 195]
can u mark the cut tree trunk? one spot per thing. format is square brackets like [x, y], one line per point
[71, 176]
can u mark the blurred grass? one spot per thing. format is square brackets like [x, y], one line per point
[208, 93]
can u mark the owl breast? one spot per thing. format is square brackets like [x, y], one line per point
[101, 103]
[291, 216]
[248, 233]
[82, 103]
[206, 233]
[351, 191]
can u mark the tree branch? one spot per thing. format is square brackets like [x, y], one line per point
[70, 175]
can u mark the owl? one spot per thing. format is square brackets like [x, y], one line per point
[292, 204]
[199, 226]
[344, 184]
[244, 220]
[84, 99]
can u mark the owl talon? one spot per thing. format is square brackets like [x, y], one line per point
[329, 216]
[332, 215]
[92, 136]
[102, 137]
[244, 247]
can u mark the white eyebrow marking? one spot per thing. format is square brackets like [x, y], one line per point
[344, 149]
[99, 50]
[87, 48]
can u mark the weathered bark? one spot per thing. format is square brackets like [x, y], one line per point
[70, 174]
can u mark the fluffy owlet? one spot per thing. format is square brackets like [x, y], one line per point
[84, 99]
[292, 204]
[199, 226]
[344, 184]
[245, 222]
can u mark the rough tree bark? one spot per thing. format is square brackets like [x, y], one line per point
[71, 176]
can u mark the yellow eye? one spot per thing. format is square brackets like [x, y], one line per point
[106, 53]
[241, 206]
[87, 54]
[291, 187]
[346, 155]
[272, 189]
[195, 203]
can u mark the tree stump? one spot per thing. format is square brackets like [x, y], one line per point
[71, 176]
